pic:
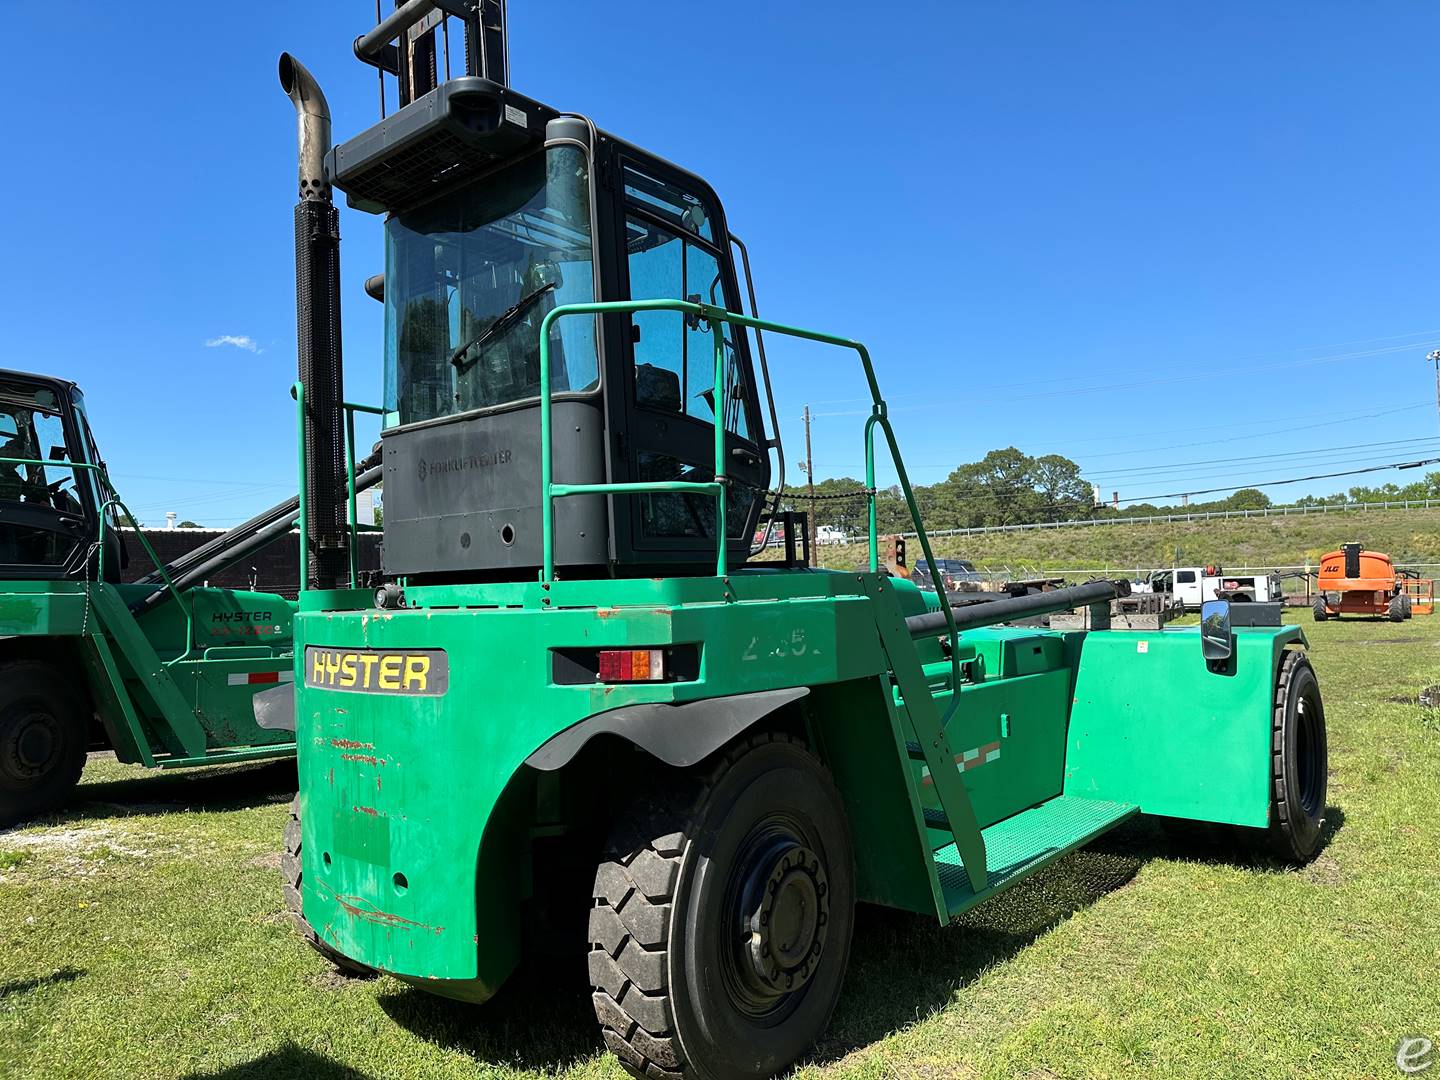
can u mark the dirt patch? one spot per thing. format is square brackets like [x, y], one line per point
[79, 852]
[333, 981]
[269, 861]
[1324, 871]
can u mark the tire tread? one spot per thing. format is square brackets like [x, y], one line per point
[629, 923]
[290, 869]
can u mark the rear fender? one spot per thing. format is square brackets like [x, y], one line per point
[680, 735]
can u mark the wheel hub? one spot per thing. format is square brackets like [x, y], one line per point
[31, 747]
[788, 917]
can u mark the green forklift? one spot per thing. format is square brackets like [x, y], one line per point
[161, 670]
[576, 658]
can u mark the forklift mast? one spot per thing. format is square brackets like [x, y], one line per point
[498, 209]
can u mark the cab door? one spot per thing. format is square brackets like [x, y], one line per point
[46, 510]
[675, 245]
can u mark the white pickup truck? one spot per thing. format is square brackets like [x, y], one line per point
[1193, 585]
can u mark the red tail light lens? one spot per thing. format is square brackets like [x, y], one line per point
[632, 665]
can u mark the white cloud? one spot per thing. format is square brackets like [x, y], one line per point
[240, 341]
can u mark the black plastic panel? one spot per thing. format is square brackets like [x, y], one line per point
[465, 495]
[456, 130]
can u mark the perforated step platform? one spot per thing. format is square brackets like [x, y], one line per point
[1021, 844]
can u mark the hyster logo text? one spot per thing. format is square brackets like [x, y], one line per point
[412, 672]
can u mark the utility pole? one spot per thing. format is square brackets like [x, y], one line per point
[810, 480]
[1434, 358]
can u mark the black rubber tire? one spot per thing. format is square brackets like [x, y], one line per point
[1318, 607]
[1299, 764]
[667, 963]
[1396, 609]
[43, 734]
[1407, 605]
[291, 873]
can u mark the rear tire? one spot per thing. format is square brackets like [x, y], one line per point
[723, 908]
[43, 734]
[290, 869]
[1396, 609]
[1299, 764]
[1321, 611]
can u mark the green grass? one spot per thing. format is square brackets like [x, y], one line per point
[141, 936]
[1408, 535]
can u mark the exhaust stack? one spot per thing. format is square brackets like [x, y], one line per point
[317, 317]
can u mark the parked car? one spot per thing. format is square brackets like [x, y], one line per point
[957, 575]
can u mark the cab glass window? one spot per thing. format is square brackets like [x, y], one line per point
[469, 279]
[674, 351]
[35, 470]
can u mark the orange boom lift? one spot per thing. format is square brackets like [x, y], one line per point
[1352, 581]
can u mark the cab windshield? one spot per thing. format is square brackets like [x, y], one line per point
[468, 279]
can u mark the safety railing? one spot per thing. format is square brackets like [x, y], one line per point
[350, 410]
[113, 500]
[297, 391]
[715, 316]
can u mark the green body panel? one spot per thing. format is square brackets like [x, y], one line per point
[160, 699]
[1153, 726]
[1049, 744]
[407, 784]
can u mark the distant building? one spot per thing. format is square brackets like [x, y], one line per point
[274, 568]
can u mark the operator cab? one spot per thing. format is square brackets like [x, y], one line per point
[49, 508]
[499, 209]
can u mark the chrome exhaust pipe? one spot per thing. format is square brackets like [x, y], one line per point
[312, 112]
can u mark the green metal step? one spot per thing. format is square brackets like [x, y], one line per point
[226, 755]
[1022, 844]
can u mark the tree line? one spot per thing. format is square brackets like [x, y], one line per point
[1010, 487]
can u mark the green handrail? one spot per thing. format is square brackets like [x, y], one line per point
[297, 391]
[549, 490]
[714, 316]
[350, 410]
[187, 608]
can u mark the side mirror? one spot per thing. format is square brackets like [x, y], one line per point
[1217, 640]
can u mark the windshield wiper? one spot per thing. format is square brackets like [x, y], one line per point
[503, 322]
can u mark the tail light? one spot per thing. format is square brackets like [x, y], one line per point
[632, 665]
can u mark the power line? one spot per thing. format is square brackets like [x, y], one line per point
[1251, 356]
[1256, 458]
[1292, 480]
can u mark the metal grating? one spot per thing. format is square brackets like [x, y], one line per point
[1023, 843]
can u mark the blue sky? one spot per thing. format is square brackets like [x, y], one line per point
[1154, 238]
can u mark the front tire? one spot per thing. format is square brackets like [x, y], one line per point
[43, 721]
[722, 915]
[1299, 763]
[290, 869]
[1318, 607]
[1396, 609]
